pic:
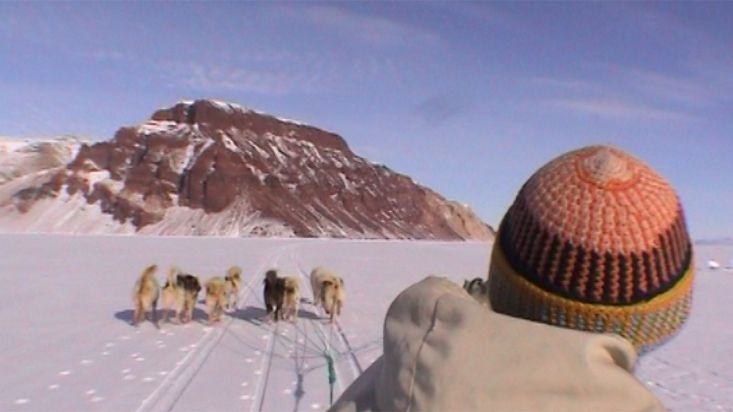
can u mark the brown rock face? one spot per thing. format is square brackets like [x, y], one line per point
[223, 116]
[234, 165]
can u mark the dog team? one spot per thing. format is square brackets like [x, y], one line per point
[281, 294]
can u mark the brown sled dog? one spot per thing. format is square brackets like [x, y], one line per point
[291, 298]
[215, 298]
[145, 295]
[232, 280]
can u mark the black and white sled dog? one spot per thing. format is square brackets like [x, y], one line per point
[478, 289]
[179, 295]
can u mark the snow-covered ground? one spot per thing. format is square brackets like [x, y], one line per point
[66, 342]
[694, 371]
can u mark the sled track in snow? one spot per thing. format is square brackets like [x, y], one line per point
[166, 395]
[266, 365]
[347, 344]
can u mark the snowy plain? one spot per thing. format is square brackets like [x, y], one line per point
[67, 343]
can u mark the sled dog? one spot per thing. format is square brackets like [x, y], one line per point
[328, 291]
[179, 295]
[478, 289]
[274, 293]
[215, 298]
[232, 280]
[291, 298]
[145, 295]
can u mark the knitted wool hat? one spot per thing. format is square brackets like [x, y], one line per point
[596, 241]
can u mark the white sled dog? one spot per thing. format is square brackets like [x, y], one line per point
[232, 280]
[145, 295]
[328, 291]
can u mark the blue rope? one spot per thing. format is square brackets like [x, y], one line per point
[331, 377]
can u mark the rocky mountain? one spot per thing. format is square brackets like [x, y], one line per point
[212, 168]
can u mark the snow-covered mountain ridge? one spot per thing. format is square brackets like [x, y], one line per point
[212, 168]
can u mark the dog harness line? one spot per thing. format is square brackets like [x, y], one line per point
[331, 369]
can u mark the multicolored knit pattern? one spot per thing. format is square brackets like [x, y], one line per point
[597, 241]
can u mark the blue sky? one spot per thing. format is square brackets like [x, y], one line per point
[466, 98]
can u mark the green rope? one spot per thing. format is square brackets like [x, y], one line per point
[331, 376]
